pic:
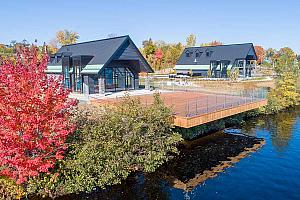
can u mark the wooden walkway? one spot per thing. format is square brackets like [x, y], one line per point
[188, 122]
[196, 108]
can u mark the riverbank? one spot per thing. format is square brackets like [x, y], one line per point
[198, 161]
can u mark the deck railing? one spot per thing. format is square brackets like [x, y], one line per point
[217, 102]
[211, 101]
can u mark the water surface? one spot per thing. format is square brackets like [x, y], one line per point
[273, 172]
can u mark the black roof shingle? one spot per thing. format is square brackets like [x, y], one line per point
[102, 51]
[222, 52]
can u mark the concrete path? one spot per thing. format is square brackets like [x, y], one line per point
[82, 98]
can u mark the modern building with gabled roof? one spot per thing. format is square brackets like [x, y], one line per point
[218, 60]
[99, 66]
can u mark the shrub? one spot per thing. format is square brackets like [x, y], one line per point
[209, 73]
[10, 190]
[113, 141]
[234, 74]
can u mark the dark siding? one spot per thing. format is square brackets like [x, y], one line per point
[128, 52]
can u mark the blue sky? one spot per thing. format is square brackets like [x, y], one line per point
[264, 22]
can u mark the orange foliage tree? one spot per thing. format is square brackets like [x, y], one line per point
[261, 53]
[212, 43]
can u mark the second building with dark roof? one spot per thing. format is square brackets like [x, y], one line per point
[216, 61]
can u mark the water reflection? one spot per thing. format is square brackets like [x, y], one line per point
[265, 173]
[139, 186]
[280, 127]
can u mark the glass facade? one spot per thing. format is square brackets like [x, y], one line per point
[113, 79]
[77, 78]
[118, 79]
[66, 77]
[219, 68]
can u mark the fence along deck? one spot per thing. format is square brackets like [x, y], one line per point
[193, 108]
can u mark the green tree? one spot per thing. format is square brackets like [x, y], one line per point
[176, 51]
[149, 47]
[191, 40]
[52, 46]
[170, 53]
[285, 61]
[270, 56]
[285, 93]
[66, 37]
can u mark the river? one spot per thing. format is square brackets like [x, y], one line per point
[272, 172]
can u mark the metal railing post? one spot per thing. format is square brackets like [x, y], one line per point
[216, 103]
[196, 106]
[173, 86]
[206, 103]
[186, 105]
[187, 108]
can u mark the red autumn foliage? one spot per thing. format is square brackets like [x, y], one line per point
[261, 53]
[158, 54]
[34, 113]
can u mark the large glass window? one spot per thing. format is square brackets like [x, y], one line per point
[77, 78]
[224, 65]
[66, 78]
[109, 79]
[118, 79]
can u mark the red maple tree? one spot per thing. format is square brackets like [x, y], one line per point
[34, 112]
[261, 54]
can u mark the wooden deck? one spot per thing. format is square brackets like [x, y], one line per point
[188, 122]
[195, 108]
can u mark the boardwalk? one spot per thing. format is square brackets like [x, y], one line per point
[196, 108]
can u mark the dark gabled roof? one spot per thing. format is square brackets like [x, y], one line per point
[101, 51]
[222, 52]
